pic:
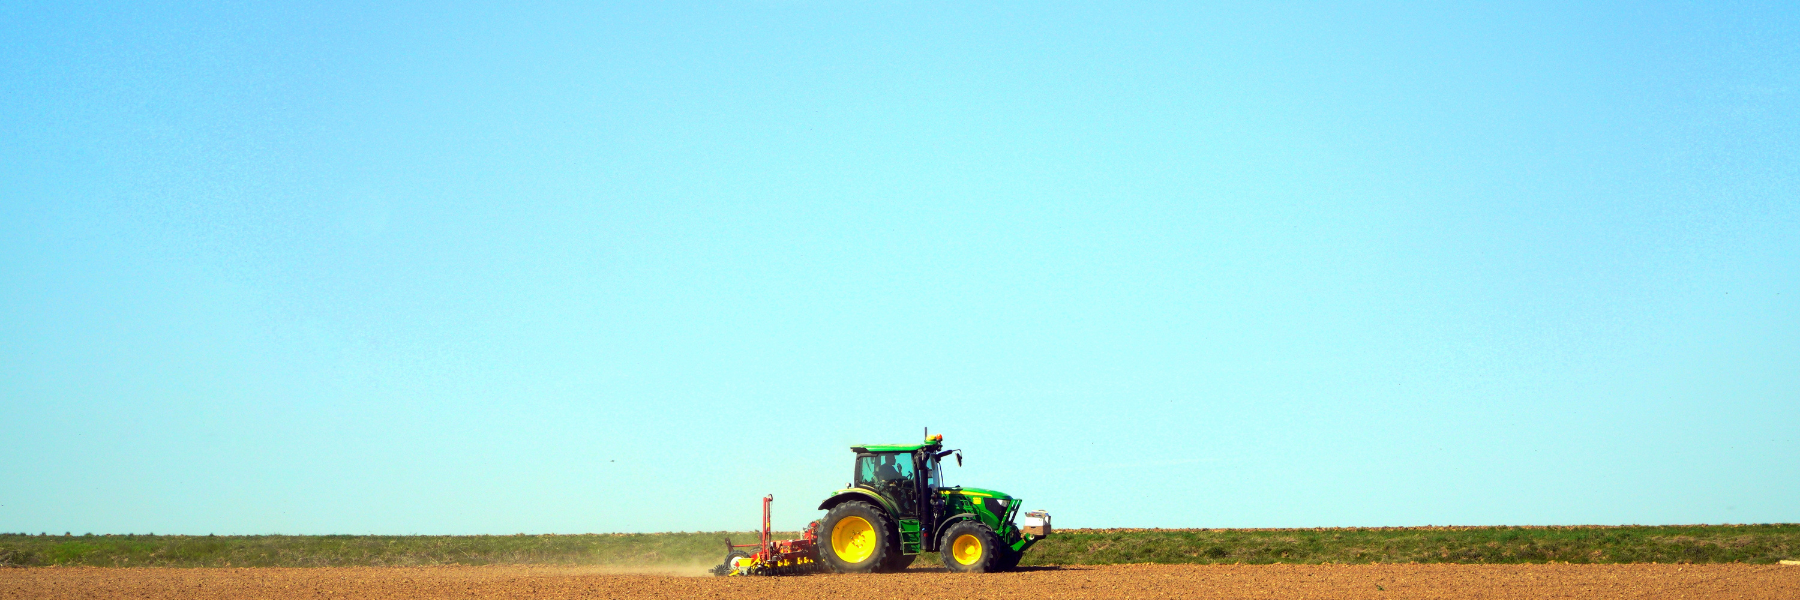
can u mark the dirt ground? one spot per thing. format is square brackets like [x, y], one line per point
[1584, 582]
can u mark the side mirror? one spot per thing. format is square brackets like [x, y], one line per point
[959, 458]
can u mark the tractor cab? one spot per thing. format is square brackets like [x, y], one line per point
[907, 476]
[892, 475]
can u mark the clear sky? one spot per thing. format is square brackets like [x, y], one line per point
[428, 268]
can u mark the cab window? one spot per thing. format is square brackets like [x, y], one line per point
[876, 470]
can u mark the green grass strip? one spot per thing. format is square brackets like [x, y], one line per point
[1759, 544]
[636, 549]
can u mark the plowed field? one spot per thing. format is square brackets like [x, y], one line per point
[1584, 582]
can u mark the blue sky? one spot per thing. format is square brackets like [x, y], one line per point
[564, 268]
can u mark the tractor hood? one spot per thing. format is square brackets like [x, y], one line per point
[978, 494]
[993, 508]
[975, 492]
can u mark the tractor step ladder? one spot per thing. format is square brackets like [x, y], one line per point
[909, 537]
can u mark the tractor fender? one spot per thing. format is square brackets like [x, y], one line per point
[846, 495]
[945, 524]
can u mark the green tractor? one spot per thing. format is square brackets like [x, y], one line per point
[897, 507]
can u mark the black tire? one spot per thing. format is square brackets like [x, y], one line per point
[981, 549]
[880, 545]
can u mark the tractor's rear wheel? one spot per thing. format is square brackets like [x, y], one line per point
[856, 537]
[970, 547]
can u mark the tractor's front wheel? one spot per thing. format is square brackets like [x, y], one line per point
[855, 538]
[970, 547]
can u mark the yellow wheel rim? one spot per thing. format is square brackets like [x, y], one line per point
[853, 539]
[966, 549]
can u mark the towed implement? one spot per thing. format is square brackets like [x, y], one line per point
[896, 508]
[772, 557]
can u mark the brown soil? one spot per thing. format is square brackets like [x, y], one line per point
[1583, 582]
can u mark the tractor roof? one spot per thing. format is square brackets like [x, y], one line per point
[931, 441]
[890, 447]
